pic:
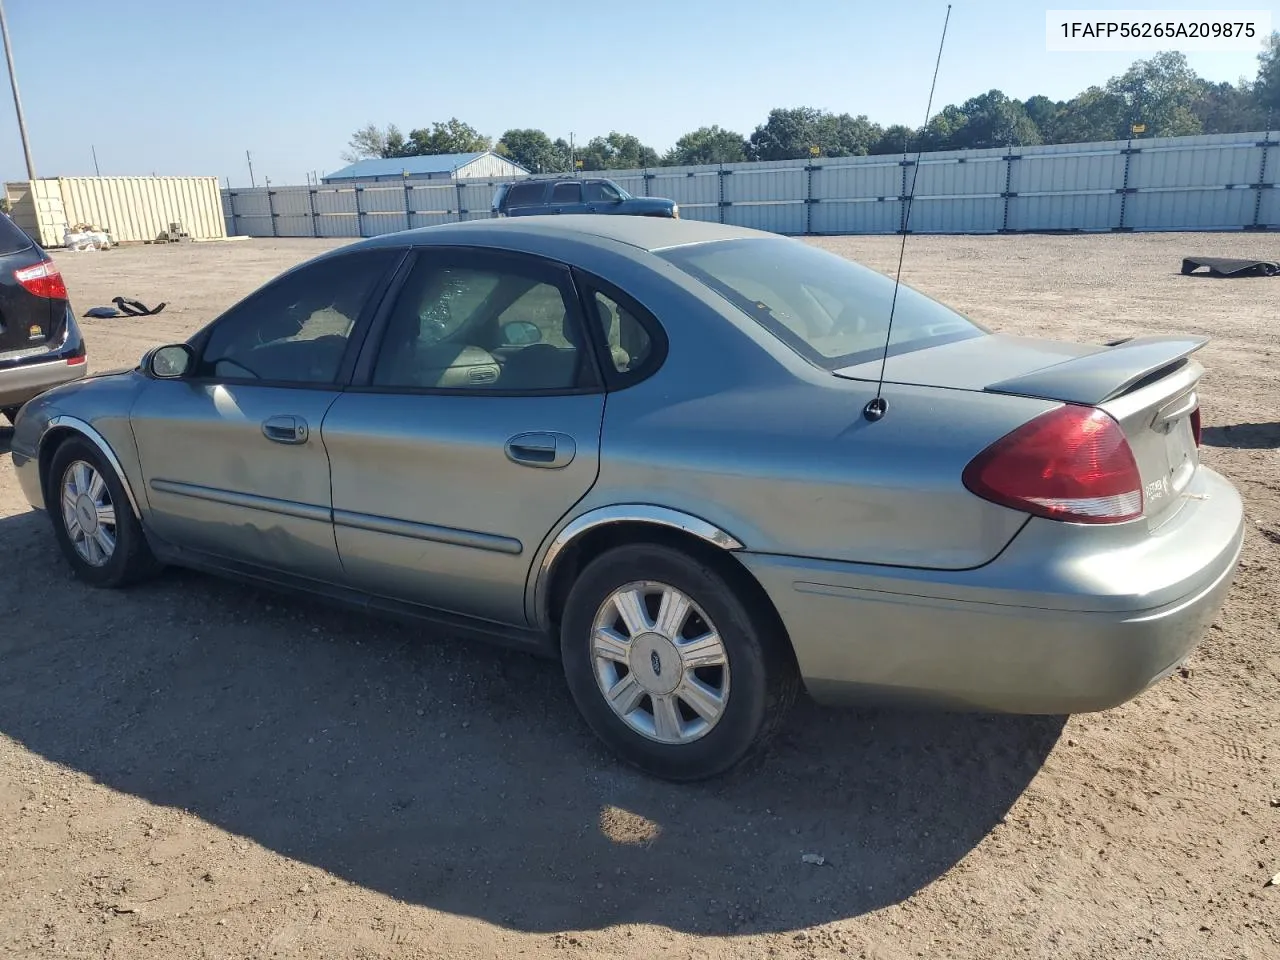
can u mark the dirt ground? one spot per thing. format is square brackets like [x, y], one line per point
[196, 769]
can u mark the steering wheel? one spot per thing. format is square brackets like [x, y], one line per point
[234, 363]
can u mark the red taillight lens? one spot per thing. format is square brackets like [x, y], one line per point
[1073, 463]
[1195, 425]
[43, 280]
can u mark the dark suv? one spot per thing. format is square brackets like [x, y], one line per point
[40, 341]
[526, 198]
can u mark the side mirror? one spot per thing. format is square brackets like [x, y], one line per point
[520, 333]
[169, 363]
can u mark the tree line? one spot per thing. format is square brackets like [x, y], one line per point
[1163, 94]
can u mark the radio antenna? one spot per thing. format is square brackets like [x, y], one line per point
[876, 407]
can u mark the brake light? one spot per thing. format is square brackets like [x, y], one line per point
[43, 280]
[1195, 425]
[1073, 463]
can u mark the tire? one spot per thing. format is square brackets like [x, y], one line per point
[10, 413]
[754, 689]
[131, 559]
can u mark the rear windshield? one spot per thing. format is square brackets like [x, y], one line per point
[12, 239]
[830, 310]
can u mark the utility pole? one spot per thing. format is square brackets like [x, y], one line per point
[252, 182]
[96, 171]
[17, 100]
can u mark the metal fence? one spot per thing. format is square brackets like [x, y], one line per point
[1219, 182]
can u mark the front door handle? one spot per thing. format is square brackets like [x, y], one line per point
[551, 450]
[285, 429]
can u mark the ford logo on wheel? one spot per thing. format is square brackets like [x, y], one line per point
[655, 661]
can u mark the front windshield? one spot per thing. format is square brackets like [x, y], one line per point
[830, 310]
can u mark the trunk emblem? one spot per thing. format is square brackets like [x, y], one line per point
[35, 332]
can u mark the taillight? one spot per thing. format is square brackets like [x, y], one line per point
[1195, 425]
[1073, 463]
[43, 280]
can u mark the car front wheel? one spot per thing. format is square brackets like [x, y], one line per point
[92, 519]
[669, 665]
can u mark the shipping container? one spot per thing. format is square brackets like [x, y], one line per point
[127, 208]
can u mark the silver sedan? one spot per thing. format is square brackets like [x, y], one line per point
[661, 450]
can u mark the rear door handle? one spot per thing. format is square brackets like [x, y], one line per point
[285, 429]
[551, 450]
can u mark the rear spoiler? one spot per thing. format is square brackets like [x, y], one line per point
[1104, 375]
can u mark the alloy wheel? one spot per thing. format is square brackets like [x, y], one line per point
[88, 513]
[660, 662]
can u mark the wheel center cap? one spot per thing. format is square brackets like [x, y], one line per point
[86, 514]
[655, 663]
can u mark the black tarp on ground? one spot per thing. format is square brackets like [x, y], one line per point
[1231, 267]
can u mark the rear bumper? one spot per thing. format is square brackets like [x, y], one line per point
[863, 637]
[19, 384]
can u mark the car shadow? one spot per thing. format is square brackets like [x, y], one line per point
[1243, 436]
[6, 439]
[460, 777]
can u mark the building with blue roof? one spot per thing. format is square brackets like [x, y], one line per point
[441, 166]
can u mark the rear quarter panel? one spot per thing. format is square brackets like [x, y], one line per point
[796, 470]
[739, 431]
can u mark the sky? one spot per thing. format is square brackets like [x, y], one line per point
[184, 88]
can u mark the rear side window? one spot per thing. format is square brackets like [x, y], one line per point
[525, 194]
[12, 238]
[629, 343]
[567, 193]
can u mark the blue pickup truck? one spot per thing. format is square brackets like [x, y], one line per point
[526, 198]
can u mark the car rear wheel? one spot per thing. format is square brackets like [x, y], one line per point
[668, 664]
[92, 519]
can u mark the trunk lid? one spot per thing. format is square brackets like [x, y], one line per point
[27, 322]
[1147, 384]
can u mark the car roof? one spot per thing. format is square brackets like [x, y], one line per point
[645, 233]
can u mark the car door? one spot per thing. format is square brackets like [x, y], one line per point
[231, 454]
[472, 426]
[566, 197]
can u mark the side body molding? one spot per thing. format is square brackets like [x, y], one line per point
[93, 436]
[645, 513]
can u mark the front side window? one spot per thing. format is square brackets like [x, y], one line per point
[295, 330]
[602, 191]
[507, 326]
[830, 310]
